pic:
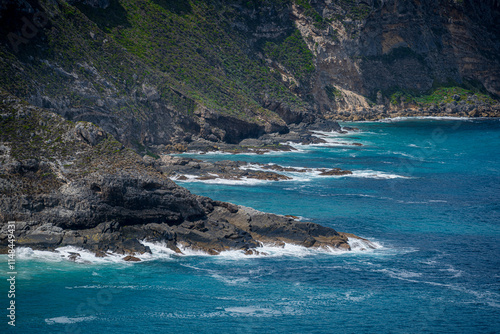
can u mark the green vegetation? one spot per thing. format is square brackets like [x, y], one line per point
[355, 10]
[333, 93]
[193, 44]
[187, 50]
[450, 94]
[294, 54]
[439, 95]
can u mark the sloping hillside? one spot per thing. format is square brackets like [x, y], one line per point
[158, 74]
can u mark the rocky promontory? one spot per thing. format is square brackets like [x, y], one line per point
[181, 168]
[73, 184]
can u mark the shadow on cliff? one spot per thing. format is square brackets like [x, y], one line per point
[106, 18]
[179, 7]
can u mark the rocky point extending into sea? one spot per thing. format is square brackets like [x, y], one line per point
[73, 184]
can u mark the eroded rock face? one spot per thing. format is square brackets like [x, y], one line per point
[173, 216]
[382, 46]
[77, 186]
[361, 52]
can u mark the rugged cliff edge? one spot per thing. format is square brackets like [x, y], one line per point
[160, 75]
[70, 183]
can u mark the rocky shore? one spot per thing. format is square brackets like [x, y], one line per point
[72, 184]
[458, 108]
[182, 169]
[304, 133]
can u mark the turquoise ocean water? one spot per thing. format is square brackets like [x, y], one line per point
[427, 191]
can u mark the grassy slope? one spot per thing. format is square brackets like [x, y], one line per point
[183, 48]
[189, 50]
[28, 132]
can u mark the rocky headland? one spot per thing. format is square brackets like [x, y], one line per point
[73, 184]
[113, 87]
[182, 169]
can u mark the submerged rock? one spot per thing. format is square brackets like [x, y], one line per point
[336, 171]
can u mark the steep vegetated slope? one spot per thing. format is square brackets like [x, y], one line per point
[161, 73]
[85, 84]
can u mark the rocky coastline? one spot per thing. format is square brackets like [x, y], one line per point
[458, 108]
[182, 169]
[73, 184]
[305, 133]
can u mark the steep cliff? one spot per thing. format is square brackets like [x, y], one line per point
[393, 52]
[104, 76]
[73, 184]
[161, 73]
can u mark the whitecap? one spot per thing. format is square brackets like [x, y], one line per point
[242, 181]
[67, 320]
[371, 174]
[252, 311]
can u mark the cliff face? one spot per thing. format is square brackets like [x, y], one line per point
[159, 74]
[67, 183]
[377, 48]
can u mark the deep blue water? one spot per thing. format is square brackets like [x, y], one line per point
[427, 191]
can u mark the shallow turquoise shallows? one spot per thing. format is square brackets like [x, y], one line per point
[427, 191]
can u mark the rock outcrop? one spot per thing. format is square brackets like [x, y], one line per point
[251, 68]
[67, 184]
[198, 170]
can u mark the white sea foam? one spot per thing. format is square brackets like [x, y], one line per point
[353, 297]
[358, 246]
[67, 320]
[242, 181]
[455, 272]
[234, 312]
[400, 273]
[231, 280]
[371, 174]
[160, 251]
[254, 311]
[329, 142]
[489, 298]
[363, 246]
[409, 118]
[64, 254]
[306, 175]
